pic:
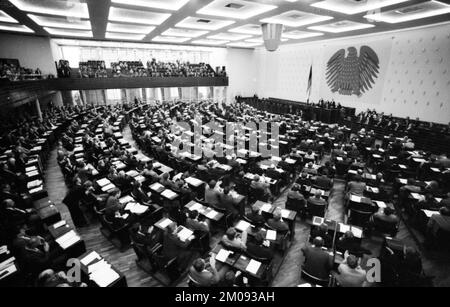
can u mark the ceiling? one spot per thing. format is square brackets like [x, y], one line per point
[222, 23]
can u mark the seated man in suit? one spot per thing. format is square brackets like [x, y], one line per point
[294, 193]
[212, 196]
[318, 263]
[317, 200]
[385, 216]
[309, 169]
[204, 276]
[257, 184]
[350, 273]
[255, 217]
[148, 172]
[227, 202]
[322, 232]
[324, 182]
[348, 243]
[303, 179]
[356, 187]
[147, 236]
[232, 239]
[173, 247]
[113, 207]
[195, 222]
[139, 194]
[276, 223]
[256, 248]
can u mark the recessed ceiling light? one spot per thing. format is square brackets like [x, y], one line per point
[203, 23]
[342, 26]
[124, 36]
[296, 18]
[68, 32]
[129, 28]
[238, 9]
[70, 8]
[15, 28]
[229, 36]
[136, 16]
[296, 34]
[243, 45]
[184, 32]
[211, 42]
[252, 29]
[171, 5]
[170, 39]
[351, 7]
[61, 22]
[412, 12]
[6, 18]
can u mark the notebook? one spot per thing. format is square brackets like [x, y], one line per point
[242, 225]
[223, 255]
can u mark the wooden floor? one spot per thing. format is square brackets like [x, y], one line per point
[435, 264]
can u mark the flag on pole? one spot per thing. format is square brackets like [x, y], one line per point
[308, 90]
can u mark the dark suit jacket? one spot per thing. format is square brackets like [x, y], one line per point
[317, 262]
[259, 251]
[172, 245]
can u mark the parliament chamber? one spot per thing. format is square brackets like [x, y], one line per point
[224, 144]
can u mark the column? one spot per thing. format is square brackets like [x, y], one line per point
[38, 109]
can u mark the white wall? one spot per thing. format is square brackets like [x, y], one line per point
[241, 66]
[32, 52]
[414, 77]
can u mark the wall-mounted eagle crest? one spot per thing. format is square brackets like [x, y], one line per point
[352, 75]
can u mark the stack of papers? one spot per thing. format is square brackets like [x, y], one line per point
[194, 181]
[212, 214]
[285, 213]
[196, 207]
[223, 255]
[343, 228]
[243, 225]
[108, 187]
[157, 187]
[355, 198]
[132, 173]
[253, 266]
[417, 196]
[34, 184]
[102, 273]
[164, 223]
[59, 224]
[126, 199]
[169, 194]
[103, 182]
[271, 235]
[380, 204]
[68, 239]
[430, 213]
[403, 181]
[136, 208]
[91, 257]
[184, 234]
[266, 207]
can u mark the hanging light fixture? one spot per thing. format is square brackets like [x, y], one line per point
[272, 35]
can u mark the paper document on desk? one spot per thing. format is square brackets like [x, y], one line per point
[271, 235]
[136, 208]
[89, 258]
[243, 226]
[253, 266]
[126, 199]
[169, 194]
[355, 198]
[266, 207]
[211, 214]
[403, 181]
[103, 182]
[417, 196]
[59, 224]
[184, 234]
[380, 204]
[166, 222]
[343, 228]
[223, 255]
[430, 213]
[108, 187]
[285, 213]
[68, 239]
[357, 232]
[196, 207]
[105, 277]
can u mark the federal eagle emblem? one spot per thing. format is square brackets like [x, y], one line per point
[352, 75]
